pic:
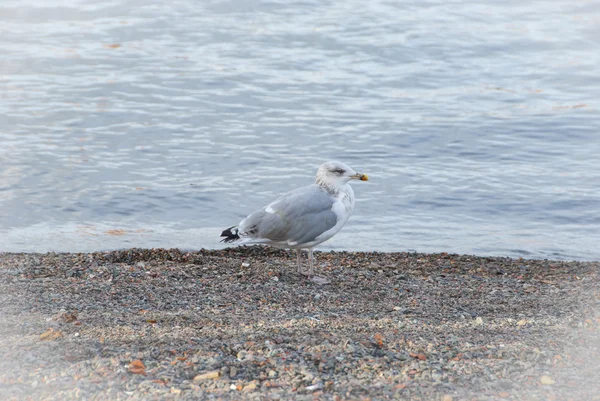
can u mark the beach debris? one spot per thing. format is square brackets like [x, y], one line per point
[137, 367]
[546, 380]
[115, 232]
[69, 317]
[51, 335]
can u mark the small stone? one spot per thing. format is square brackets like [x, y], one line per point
[245, 264]
[249, 387]
[233, 372]
[420, 356]
[446, 397]
[272, 374]
[208, 375]
[175, 390]
[478, 321]
[73, 273]
[275, 278]
[143, 265]
[546, 380]
[314, 387]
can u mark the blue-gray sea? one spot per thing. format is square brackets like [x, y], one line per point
[130, 123]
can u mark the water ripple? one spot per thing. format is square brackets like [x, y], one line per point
[477, 122]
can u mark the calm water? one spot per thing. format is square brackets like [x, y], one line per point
[139, 123]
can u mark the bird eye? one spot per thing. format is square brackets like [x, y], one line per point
[338, 171]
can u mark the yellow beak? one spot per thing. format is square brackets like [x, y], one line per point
[359, 176]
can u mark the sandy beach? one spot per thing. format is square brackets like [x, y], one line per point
[242, 324]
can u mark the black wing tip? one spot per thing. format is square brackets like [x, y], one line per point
[230, 234]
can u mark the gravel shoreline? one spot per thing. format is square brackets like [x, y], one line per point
[241, 324]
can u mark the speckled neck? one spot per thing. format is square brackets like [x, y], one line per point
[327, 186]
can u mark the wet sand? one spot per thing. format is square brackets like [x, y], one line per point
[242, 324]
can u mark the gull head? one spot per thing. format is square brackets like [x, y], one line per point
[336, 174]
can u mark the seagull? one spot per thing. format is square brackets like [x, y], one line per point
[304, 217]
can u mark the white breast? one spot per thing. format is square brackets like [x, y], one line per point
[342, 208]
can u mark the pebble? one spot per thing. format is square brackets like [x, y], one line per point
[314, 387]
[208, 375]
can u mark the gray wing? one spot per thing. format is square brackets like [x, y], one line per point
[298, 216]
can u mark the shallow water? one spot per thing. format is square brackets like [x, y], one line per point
[138, 123]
